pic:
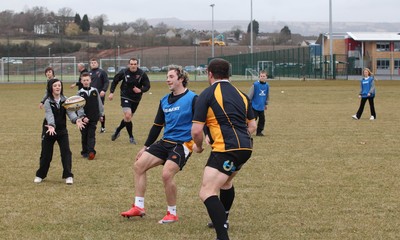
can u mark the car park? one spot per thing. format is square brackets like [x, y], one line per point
[190, 68]
[144, 69]
[111, 69]
[155, 69]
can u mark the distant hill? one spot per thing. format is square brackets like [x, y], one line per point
[303, 28]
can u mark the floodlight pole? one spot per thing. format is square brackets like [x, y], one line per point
[330, 38]
[212, 31]
[119, 58]
[251, 26]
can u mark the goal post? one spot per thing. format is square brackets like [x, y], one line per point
[267, 66]
[31, 69]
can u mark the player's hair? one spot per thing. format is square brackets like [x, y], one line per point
[50, 87]
[94, 60]
[133, 59]
[182, 74]
[263, 72]
[219, 68]
[85, 74]
[369, 72]
[49, 69]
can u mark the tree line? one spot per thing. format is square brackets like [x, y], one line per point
[66, 22]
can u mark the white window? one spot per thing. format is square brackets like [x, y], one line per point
[383, 46]
[382, 64]
[396, 46]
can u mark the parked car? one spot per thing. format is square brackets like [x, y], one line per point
[155, 69]
[164, 69]
[111, 69]
[121, 68]
[145, 69]
[190, 68]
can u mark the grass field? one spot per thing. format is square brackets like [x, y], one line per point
[317, 174]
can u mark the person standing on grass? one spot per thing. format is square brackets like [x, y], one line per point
[135, 82]
[367, 92]
[82, 69]
[226, 112]
[175, 114]
[49, 73]
[100, 82]
[259, 96]
[94, 111]
[54, 129]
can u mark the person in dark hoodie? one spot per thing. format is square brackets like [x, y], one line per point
[54, 129]
[134, 83]
[82, 69]
[100, 82]
[49, 73]
[94, 111]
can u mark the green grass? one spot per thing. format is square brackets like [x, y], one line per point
[317, 174]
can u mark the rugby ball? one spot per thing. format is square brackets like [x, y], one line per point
[74, 103]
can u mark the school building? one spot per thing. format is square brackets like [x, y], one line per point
[379, 51]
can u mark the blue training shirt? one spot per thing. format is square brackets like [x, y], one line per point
[178, 118]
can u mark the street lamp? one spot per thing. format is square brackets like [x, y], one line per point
[119, 64]
[251, 26]
[330, 38]
[212, 32]
[49, 57]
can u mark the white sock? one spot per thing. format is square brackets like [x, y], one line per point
[139, 202]
[172, 210]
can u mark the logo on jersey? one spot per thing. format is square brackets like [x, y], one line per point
[229, 166]
[172, 109]
[262, 93]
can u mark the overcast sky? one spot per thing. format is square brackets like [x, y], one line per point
[119, 11]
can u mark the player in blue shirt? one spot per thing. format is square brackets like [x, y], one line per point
[175, 114]
[367, 92]
[259, 96]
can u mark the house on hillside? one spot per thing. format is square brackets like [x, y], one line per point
[170, 34]
[129, 31]
[54, 26]
[379, 51]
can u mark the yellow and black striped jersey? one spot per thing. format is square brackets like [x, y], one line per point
[225, 110]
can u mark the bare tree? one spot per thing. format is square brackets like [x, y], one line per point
[64, 17]
[141, 25]
[99, 22]
[33, 17]
[237, 30]
[6, 20]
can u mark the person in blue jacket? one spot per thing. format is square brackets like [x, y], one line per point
[367, 93]
[259, 96]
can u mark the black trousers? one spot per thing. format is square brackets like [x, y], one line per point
[362, 105]
[88, 137]
[47, 154]
[260, 115]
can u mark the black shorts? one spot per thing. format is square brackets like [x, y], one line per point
[125, 103]
[228, 162]
[165, 150]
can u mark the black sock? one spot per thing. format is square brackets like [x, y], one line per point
[121, 126]
[103, 123]
[129, 128]
[227, 196]
[216, 211]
